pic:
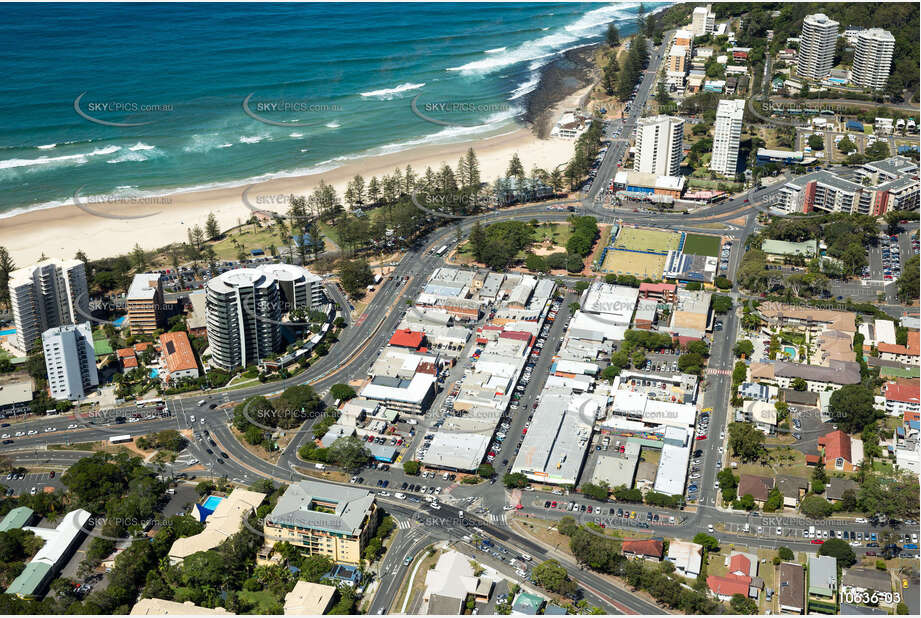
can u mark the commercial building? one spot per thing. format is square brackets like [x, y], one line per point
[787, 157]
[178, 357]
[817, 47]
[762, 414]
[17, 518]
[144, 303]
[557, 441]
[60, 544]
[226, 520]
[450, 582]
[70, 360]
[726, 135]
[309, 599]
[648, 183]
[47, 294]
[775, 249]
[244, 317]
[659, 142]
[806, 320]
[325, 519]
[859, 581]
[703, 20]
[872, 58]
[15, 397]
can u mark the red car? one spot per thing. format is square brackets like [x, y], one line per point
[524, 431]
[553, 504]
[816, 541]
[519, 507]
[703, 437]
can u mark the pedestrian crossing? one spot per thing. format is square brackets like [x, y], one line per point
[718, 372]
[499, 518]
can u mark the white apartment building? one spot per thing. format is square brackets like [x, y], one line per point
[659, 143]
[70, 360]
[703, 20]
[45, 295]
[244, 310]
[817, 47]
[726, 135]
[872, 58]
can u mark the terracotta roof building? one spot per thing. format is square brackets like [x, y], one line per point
[178, 356]
[646, 548]
[405, 338]
[838, 451]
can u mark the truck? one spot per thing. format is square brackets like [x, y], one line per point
[120, 439]
[320, 466]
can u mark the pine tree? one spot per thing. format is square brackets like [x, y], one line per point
[212, 229]
[613, 36]
[515, 168]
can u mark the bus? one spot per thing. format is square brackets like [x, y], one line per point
[120, 439]
[143, 403]
[441, 250]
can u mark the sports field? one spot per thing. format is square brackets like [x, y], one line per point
[698, 244]
[640, 265]
[644, 239]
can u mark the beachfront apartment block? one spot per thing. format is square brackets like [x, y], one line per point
[677, 59]
[659, 145]
[703, 20]
[817, 47]
[144, 303]
[873, 58]
[244, 317]
[324, 519]
[70, 360]
[46, 294]
[726, 136]
[298, 287]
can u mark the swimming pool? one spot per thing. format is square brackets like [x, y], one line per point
[790, 351]
[120, 321]
[11, 331]
[154, 373]
[212, 502]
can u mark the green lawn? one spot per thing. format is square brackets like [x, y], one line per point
[225, 249]
[264, 602]
[698, 244]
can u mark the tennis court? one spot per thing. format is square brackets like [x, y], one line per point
[644, 239]
[698, 244]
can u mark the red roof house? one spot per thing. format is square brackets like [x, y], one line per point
[726, 586]
[837, 450]
[905, 391]
[406, 338]
[739, 565]
[646, 548]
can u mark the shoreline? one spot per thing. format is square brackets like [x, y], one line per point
[156, 222]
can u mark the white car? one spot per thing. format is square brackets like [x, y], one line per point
[5, 436]
[860, 520]
[72, 426]
[779, 531]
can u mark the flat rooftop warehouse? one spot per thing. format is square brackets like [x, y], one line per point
[645, 239]
[699, 244]
[640, 265]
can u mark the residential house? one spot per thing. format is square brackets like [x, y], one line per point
[834, 491]
[792, 488]
[823, 576]
[686, 556]
[648, 549]
[857, 581]
[840, 451]
[758, 486]
[791, 588]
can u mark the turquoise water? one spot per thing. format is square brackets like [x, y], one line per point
[154, 373]
[350, 70]
[790, 351]
[11, 331]
[212, 502]
[120, 321]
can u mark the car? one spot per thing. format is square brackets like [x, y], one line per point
[779, 531]
[547, 504]
[816, 541]
[34, 491]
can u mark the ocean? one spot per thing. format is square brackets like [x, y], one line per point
[146, 99]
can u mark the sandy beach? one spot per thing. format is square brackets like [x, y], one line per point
[62, 231]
